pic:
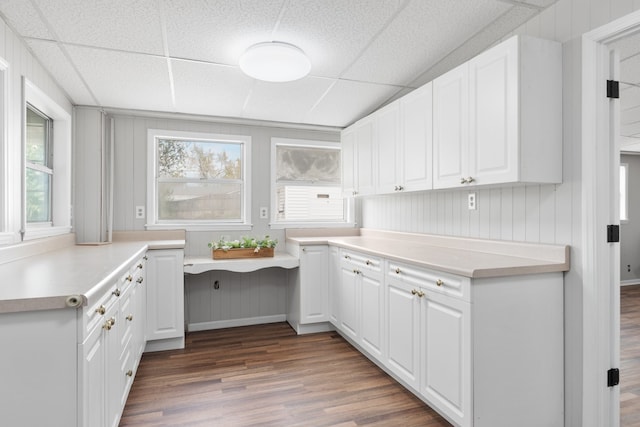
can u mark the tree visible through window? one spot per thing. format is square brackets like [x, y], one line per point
[199, 180]
[39, 166]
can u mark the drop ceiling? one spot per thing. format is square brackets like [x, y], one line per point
[182, 55]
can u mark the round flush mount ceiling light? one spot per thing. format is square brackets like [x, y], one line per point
[275, 62]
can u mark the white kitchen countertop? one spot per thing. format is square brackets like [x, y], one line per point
[474, 258]
[45, 280]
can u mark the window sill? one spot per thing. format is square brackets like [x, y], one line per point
[285, 225]
[39, 233]
[200, 227]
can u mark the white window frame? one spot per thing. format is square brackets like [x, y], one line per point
[279, 224]
[624, 193]
[152, 203]
[61, 185]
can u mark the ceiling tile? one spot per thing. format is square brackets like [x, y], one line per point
[115, 24]
[218, 31]
[54, 61]
[422, 34]
[210, 89]
[124, 80]
[481, 41]
[25, 19]
[333, 33]
[627, 46]
[348, 101]
[630, 69]
[285, 102]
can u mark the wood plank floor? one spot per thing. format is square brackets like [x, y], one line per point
[268, 376]
[630, 356]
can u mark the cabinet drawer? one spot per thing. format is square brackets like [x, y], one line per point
[430, 280]
[361, 261]
[96, 314]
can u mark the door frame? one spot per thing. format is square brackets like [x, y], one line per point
[600, 260]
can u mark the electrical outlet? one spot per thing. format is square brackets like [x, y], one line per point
[139, 212]
[264, 213]
[472, 202]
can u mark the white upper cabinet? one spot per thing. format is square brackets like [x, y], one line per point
[388, 147]
[498, 117]
[416, 115]
[357, 159]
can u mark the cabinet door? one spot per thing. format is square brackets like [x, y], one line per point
[348, 152]
[388, 148]
[494, 114]
[314, 284]
[403, 324]
[334, 285]
[92, 379]
[450, 127]
[364, 158]
[416, 112]
[165, 294]
[348, 301]
[114, 380]
[446, 355]
[371, 314]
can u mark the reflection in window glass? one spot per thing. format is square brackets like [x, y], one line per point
[308, 184]
[39, 166]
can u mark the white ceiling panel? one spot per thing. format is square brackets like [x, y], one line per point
[25, 19]
[218, 31]
[348, 101]
[630, 69]
[481, 41]
[629, 97]
[210, 89]
[116, 24]
[123, 79]
[287, 102]
[422, 34]
[116, 53]
[54, 61]
[333, 33]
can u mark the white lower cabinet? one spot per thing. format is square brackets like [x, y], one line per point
[109, 353]
[334, 285]
[165, 299]
[481, 352]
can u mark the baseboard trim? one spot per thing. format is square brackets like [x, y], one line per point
[164, 344]
[630, 282]
[232, 323]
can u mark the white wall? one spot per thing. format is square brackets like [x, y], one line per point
[21, 63]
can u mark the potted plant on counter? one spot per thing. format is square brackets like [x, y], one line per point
[245, 247]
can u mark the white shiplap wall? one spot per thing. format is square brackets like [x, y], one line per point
[535, 213]
[21, 63]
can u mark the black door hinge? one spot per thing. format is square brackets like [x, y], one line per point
[613, 377]
[613, 233]
[613, 89]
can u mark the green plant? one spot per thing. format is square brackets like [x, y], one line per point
[244, 242]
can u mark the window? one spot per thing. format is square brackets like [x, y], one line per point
[307, 183]
[46, 190]
[624, 191]
[39, 166]
[199, 180]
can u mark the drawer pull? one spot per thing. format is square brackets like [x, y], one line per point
[398, 270]
[414, 292]
[145, 257]
[347, 257]
[129, 373]
[101, 310]
[109, 324]
[304, 249]
[420, 294]
[470, 179]
[130, 317]
[129, 278]
[140, 279]
[140, 266]
[368, 262]
[439, 282]
[463, 180]
[116, 292]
